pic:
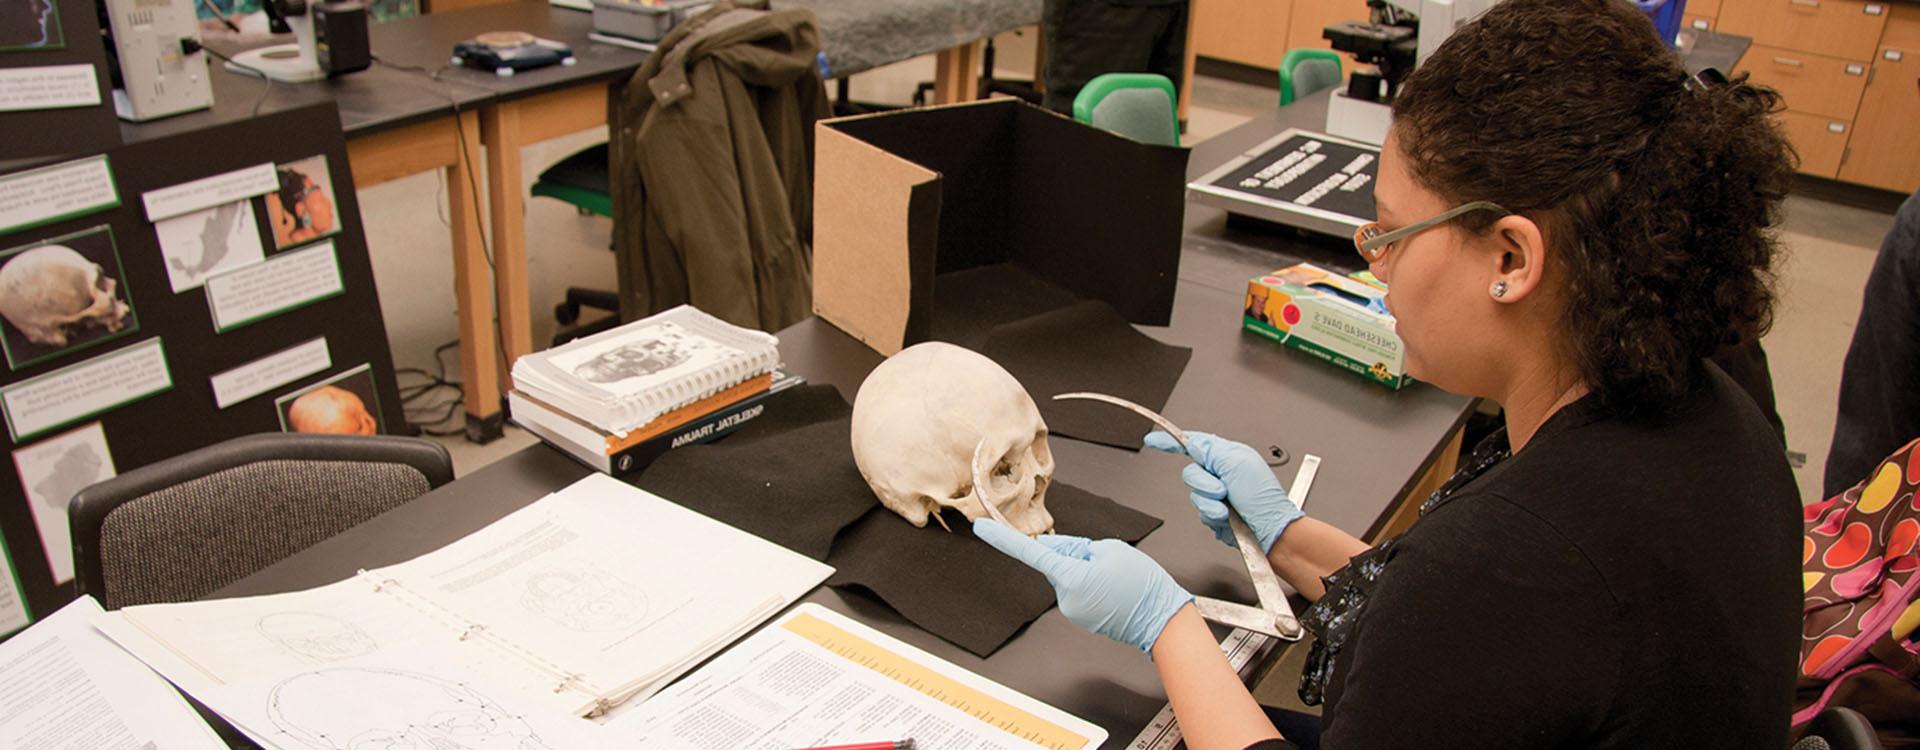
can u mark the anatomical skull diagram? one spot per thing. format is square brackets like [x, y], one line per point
[921, 417]
[48, 291]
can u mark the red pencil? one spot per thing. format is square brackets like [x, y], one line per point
[895, 745]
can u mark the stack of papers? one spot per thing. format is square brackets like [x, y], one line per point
[593, 596]
[628, 377]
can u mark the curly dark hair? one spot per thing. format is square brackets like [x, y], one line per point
[1657, 197]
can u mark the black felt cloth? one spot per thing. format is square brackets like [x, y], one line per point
[969, 304]
[789, 477]
[1087, 346]
[954, 585]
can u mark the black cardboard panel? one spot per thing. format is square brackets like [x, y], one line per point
[1099, 214]
[46, 135]
[186, 418]
[1094, 213]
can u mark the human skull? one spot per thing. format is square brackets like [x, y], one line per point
[917, 421]
[51, 288]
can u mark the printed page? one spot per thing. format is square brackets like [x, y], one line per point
[412, 695]
[202, 646]
[64, 686]
[816, 679]
[611, 584]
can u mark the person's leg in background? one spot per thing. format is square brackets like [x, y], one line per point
[1880, 380]
[1085, 38]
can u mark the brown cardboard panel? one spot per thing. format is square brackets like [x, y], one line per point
[865, 212]
[1090, 212]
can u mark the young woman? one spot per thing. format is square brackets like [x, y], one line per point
[1569, 225]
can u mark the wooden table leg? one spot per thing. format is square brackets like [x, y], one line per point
[500, 130]
[1186, 67]
[956, 74]
[479, 356]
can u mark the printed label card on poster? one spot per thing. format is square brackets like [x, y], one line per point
[51, 472]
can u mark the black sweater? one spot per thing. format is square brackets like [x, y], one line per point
[1616, 584]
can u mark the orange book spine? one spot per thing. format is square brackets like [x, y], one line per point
[689, 413]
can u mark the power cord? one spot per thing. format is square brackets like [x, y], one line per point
[427, 418]
[189, 45]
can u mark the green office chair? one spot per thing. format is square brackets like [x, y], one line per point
[1305, 71]
[1141, 106]
[581, 180]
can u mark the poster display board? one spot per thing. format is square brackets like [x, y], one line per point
[56, 99]
[166, 295]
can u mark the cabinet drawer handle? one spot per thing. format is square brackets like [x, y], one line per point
[1806, 3]
[1789, 62]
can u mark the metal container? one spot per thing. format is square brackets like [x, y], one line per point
[644, 21]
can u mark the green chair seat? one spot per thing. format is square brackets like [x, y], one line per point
[1305, 71]
[1141, 106]
[580, 179]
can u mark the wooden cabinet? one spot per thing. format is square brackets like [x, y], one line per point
[1259, 32]
[1847, 29]
[1249, 33]
[1704, 8]
[1312, 17]
[1885, 149]
[1697, 23]
[1814, 84]
[1820, 141]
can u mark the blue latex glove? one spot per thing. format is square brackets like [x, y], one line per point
[1223, 472]
[1105, 586]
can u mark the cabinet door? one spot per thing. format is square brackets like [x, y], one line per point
[1250, 32]
[1815, 84]
[1820, 141]
[1708, 8]
[1884, 151]
[1837, 28]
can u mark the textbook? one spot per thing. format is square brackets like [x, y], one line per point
[699, 422]
[595, 595]
[624, 379]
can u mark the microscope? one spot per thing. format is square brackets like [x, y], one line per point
[330, 38]
[1397, 35]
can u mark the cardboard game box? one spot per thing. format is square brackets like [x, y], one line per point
[1337, 319]
[902, 199]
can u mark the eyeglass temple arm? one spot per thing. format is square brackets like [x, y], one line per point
[1419, 226]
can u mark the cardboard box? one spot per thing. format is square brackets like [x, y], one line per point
[1336, 319]
[902, 198]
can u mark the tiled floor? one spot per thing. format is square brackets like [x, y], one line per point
[1828, 247]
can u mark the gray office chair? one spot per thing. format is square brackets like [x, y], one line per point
[179, 529]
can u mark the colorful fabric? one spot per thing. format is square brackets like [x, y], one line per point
[1860, 569]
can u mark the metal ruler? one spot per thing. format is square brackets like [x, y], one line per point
[1240, 646]
[1163, 733]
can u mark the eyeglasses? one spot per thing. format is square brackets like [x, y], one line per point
[1373, 241]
